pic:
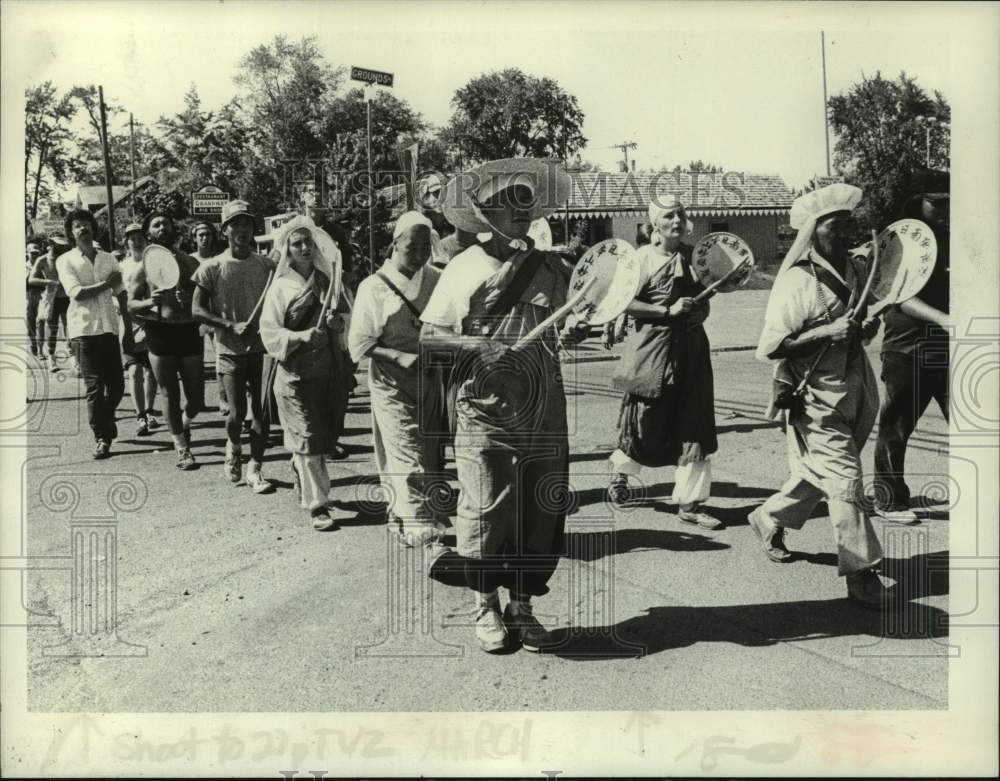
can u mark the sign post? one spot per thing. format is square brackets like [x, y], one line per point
[371, 78]
[207, 201]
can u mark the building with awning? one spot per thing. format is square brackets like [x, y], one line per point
[615, 205]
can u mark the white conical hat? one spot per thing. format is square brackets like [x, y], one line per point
[811, 207]
[837, 197]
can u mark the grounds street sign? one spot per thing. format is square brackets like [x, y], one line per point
[371, 77]
[208, 201]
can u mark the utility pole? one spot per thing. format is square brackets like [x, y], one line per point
[625, 146]
[107, 171]
[826, 118]
[131, 151]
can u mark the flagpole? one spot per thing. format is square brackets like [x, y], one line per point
[826, 118]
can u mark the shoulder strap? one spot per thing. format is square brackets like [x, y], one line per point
[827, 278]
[516, 287]
[388, 283]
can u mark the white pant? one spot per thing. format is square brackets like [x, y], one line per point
[692, 482]
[314, 479]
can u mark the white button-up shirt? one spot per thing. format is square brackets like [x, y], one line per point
[92, 316]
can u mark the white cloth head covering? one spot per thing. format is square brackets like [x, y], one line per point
[660, 205]
[407, 220]
[808, 209]
[327, 259]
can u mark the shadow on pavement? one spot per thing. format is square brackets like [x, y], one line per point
[664, 628]
[591, 546]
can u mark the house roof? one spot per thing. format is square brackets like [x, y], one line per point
[125, 191]
[94, 195]
[725, 193]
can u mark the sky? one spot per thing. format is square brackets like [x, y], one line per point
[735, 85]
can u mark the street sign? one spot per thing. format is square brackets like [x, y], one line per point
[371, 77]
[208, 201]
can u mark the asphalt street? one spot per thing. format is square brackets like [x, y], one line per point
[212, 598]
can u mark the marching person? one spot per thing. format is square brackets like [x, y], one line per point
[427, 194]
[305, 375]
[141, 379]
[173, 341]
[59, 304]
[228, 289]
[35, 291]
[511, 436]
[814, 292]
[406, 406]
[667, 414]
[206, 239]
[915, 353]
[92, 280]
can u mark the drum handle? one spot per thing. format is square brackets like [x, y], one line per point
[709, 291]
[560, 313]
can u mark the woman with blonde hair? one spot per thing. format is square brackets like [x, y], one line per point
[668, 412]
[309, 368]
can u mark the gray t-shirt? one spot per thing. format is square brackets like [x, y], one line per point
[234, 287]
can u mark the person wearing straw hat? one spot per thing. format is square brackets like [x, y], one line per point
[173, 341]
[815, 293]
[511, 445]
[229, 287]
[142, 380]
[306, 373]
[667, 414]
[93, 281]
[915, 352]
[407, 406]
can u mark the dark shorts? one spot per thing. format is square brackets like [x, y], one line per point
[139, 357]
[173, 340]
[247, 365]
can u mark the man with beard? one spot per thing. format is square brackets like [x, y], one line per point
[92, 280]
[172, 337]
[229, 287]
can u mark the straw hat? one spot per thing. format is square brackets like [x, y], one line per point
[464, 194]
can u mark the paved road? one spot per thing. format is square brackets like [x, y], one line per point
[239, 606]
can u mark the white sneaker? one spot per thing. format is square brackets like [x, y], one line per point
[490, 630]
[903, 516]
[257, 482]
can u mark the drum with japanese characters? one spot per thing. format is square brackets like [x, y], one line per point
[614, 268]
[907, 252]
[723, 260]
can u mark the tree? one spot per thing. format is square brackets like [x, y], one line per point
[283, 87]
[511, 114]
[202, 147]
[880, 143]
[700, 167]
[47, 138]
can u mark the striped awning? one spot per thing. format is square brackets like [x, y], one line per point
[721, 212]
